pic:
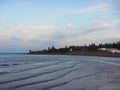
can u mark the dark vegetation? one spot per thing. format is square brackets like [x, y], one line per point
[65, 50]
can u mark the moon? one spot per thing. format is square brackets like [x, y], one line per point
[69, 24]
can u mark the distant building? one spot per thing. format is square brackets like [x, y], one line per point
[112, 50]
[71, 49]
[102, 49]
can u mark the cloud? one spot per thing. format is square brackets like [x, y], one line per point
[72, 27]
[88, 40]
[18, 32]
[33, 36]
[23, 4]
[101, 26]
[41, 33]
[43, 27]
[91, 30]
[98, 11]
[65, 27]
[97, 8]
[105, 25]
[116, 2]
[113, 4]
[42, 36]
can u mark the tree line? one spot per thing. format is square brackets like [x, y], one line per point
[92, 47]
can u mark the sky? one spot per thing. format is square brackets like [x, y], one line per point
[39, 24]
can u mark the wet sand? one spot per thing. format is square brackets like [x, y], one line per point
[62, 72]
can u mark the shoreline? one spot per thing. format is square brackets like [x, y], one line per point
[83, 53]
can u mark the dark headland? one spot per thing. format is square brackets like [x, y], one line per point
[106, 50]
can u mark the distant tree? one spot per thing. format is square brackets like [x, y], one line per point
[49, 49]
[66, 48]
[53, 49]
[91, 47]
[30, 51]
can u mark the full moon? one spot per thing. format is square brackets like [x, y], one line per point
[69, 24]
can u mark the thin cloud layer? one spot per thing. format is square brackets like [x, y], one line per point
[23, 4]
[88, 40]
[98, 8]
[42, 23]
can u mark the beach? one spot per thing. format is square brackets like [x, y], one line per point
[59, 72]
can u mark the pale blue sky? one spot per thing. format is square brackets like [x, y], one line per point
[37, 24]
